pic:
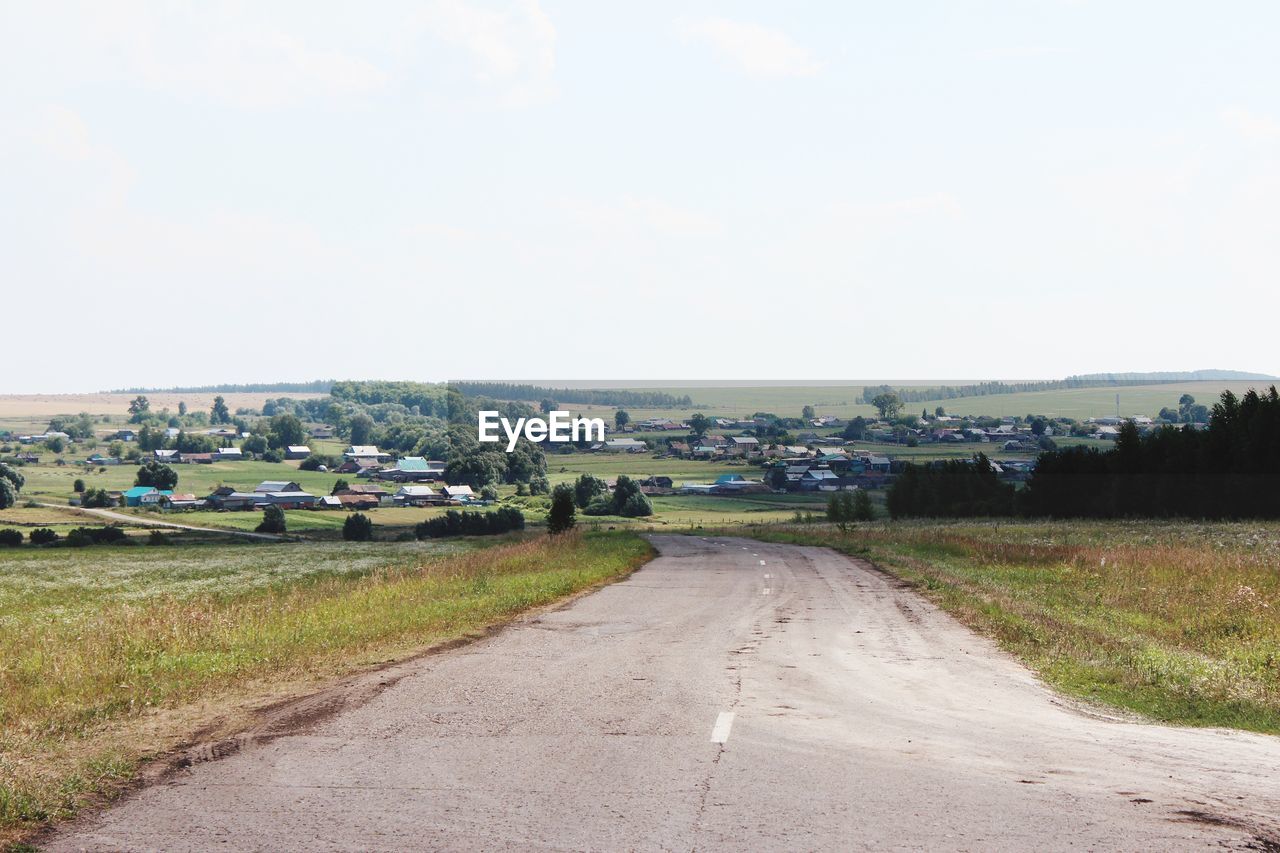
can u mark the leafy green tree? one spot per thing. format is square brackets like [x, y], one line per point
[887, 404]
[340, 486]
[628, 500]
[808, 413]
[586, 488]
[489, 493]
[13, 475]
[56, 444]
[548, 406]
[10, 538]
[286, 429]
[562, 516]
[855, 430]
[8, 494]
[939, 412]
[156, 475]
[699, 423]
[219, 414]
[357, 528]
[256, 444]
[361, 426]
[539, 485]
[273, 520]
[862, 509]
[139, 407]
[78, 486]
[182, 409]
[621, 418]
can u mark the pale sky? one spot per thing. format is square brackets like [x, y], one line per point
[233, 192]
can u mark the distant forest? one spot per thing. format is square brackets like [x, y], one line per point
[923, 394]
[317, 386]
[579, 396]
[432, 397]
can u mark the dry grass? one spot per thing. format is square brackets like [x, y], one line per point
[1177, 621]
[85, 672]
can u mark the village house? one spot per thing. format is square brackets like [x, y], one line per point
[351, 502]
[185, 500]
[277, 486]
[366, 489]
[134, 496]
[417, 496]
[366, 453]
[297, 451]
[458, 493]
[625, 445]
[413, 469]
[228, 454]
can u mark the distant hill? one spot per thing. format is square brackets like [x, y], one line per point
[1177, 376]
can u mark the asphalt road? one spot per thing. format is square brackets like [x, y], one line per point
[729, 696]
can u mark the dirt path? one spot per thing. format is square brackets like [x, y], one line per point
[125, 518]
[731, 695]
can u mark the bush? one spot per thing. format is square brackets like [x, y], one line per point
[467, 523]
[586, 489]
[95, 498]
[636, 506]
[599, 506]
[273, 520]
[157, 538]
[489, 493]
[272, 456]
[82, 536]
[8, 495]
[627, 500]
[78, 486]
[357, 528]
[42, 536]
[539, 486]
[10, 538]
[316, 461]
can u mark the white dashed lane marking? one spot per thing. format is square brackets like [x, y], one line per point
[720, 731]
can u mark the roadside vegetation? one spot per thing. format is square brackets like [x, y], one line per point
[1178, 621]
[106, 659]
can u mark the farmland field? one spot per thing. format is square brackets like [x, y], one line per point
[841, 400]
[106, 658]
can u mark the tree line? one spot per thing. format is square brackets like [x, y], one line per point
[577, 396]
[1231, 469]
[921, 394]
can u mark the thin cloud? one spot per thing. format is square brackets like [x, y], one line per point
[1251, 126]
[512, 50]
[756, 50]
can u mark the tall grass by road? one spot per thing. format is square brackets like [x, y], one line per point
[1175, 620]
[109, 655]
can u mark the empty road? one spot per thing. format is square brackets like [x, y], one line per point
[731, 695]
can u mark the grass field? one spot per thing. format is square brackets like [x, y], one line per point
[106, 659]
[1175, 620]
